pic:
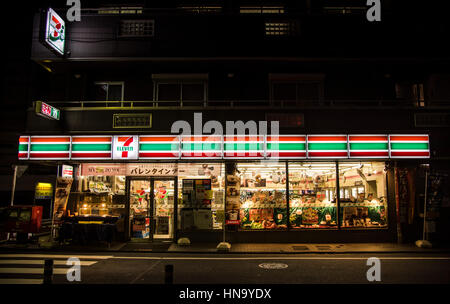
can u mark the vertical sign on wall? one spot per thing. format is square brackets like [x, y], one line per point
[55, 32]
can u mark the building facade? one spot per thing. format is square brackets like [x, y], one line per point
[362, 112]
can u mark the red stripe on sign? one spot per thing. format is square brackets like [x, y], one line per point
[49, 155]
[327, 138]
[23, 155]
[410, 153]
[286, 138]
[91, 155]
[23, 139]
[286, 154]
[243, 138]
[327, 154]
[410, 138]
[193, 154]
[367, 138]
[245, 154]
[369, 153]
[158, 154]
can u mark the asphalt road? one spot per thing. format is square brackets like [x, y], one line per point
[148, 268]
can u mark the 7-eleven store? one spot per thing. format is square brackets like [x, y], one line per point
[286, 188]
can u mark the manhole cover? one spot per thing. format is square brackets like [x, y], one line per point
[300, 247]
[273, 265]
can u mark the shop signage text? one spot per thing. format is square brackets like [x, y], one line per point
[269, 147]
[47, 111]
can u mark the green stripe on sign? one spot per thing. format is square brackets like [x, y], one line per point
[242, 146]
[286, 146]
[49, 147]
[158, 147]
[91, 147]
[368, 146]
[200, 147]
[23, 148]
[327, 146]
[409, 146]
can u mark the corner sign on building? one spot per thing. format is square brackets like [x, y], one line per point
[55, 32]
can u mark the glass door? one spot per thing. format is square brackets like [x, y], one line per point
[163, 208]
[139, 194]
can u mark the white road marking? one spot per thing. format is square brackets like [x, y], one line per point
[57, 256]
[32, 270]
[41, 262]
[21, 281]
[276, 258]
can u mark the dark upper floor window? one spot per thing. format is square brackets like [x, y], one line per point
[121, 10]
[137, 28]
[296, 87]
[410, 92]
[111, 91]
[280, 28]
[201, 9]
[261, 9]
[181, 87]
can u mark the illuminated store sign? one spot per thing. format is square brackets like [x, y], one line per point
[47, 111]
[126, 147]
[55, 32]
[166, 147]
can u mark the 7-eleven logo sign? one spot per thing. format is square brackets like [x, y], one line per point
[126, 147]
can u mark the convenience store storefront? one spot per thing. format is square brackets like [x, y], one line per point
[286, 188]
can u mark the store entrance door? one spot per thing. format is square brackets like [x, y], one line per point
[151, 208]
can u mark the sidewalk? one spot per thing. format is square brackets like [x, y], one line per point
[238, 248]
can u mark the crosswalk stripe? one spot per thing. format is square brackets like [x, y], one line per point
[21, 281]
[32, 270]
[41, 262]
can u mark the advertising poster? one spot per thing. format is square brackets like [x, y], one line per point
[62, 192]
[233, 204]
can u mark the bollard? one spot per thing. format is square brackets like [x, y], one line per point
[48, 271]
[168, 271]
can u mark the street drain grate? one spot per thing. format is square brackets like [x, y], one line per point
[299, 248]
[323, 247]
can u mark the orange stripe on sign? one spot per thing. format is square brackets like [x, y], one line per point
[203, 138]
[286, 138]
[23, 139]
[158, 138]
[327, 138]
[90, 139]
[408, 138]
[367, 138]
[50, 139]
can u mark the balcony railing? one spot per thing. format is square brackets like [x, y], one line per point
[248, 104]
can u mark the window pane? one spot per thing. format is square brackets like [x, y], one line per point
[284, 91]
[193, 91]
[189, 175]
[115, 92]
[101, 91]
[169, 92]
[308, 91]
[363, 195]
[262, 196]
[312, 195]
